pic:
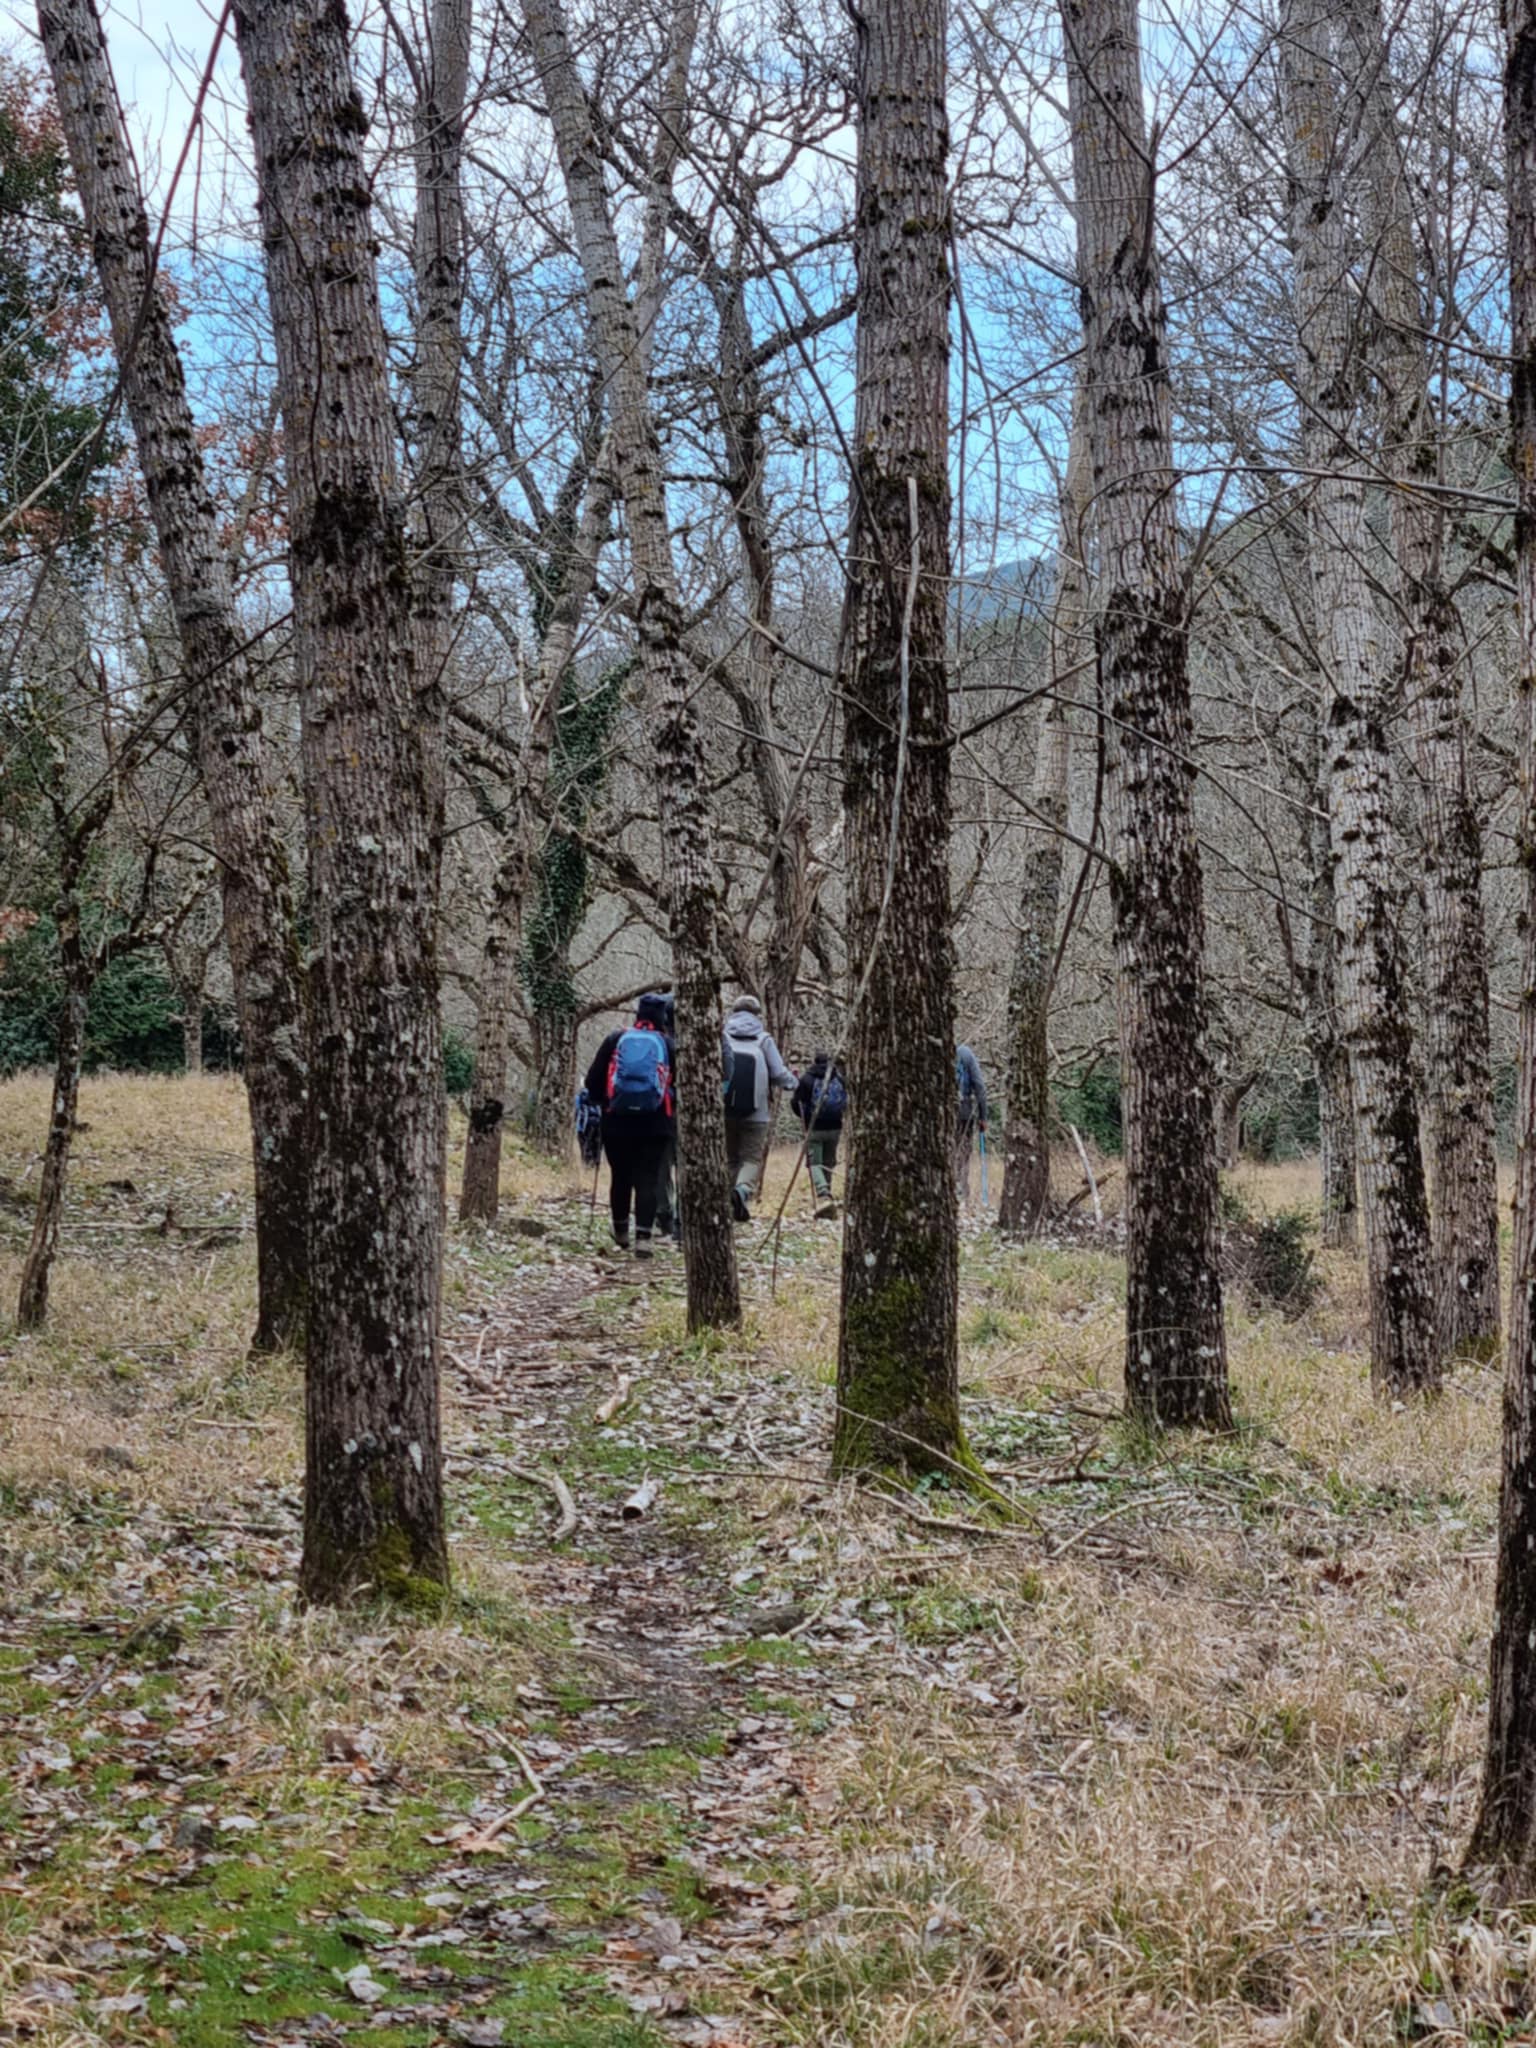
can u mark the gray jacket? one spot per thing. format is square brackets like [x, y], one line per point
[751, 1067]
[970, 1088]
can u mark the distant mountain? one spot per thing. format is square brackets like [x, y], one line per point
[1013, 591]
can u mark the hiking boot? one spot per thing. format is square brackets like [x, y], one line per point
[619, 1247]
[739, 1207]
[826, 1210]
[642, 1244]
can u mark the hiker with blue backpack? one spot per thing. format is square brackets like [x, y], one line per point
[631, 1081]
[970, 1119]
[753, 1067]
[820, 1101]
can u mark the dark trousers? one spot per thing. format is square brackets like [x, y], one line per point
[821, 1157]
[634, 1164]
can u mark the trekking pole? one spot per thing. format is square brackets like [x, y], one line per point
[981, 1138]
[592, 1205]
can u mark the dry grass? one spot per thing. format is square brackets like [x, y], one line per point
[1179, 1761]
[1230, 1748]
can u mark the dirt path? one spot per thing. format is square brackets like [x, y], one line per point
[688, 1671]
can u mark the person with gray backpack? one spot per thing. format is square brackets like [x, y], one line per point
[753, 1067]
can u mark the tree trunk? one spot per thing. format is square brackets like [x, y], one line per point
[1026, 1192]
[480, 1188]
[554, 1083]
[69, 1051]
[1330, 1062]
[1503, 1844]
[898, 1389]
[692, 894]
[1372, 982]
[1230, 1097]
[1457, 1054]
[1176, 1350]
[373, 1512]
[192, 1030]
[221, 697]
[439, 269]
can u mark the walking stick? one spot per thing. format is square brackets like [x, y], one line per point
[592, 1205]
[981, 1139]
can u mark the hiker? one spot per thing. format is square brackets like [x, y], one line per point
[970, 1117]
[753, 1068]
[820, 1101]
[631, 1080]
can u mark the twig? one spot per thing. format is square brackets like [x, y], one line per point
[950, 1528]
[108, 1667]
[1126, 1507]
[552, 1483]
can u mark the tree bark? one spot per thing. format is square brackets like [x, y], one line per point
[1457, 1053]
[373, 1512]
[693, 903]
[1340, 1228]
[439, 269]
[1026, 1191]
[1176, 1352]
[554, 1083]
[221, 697]
[1503, 1845]
[1338, 1176]
[480, 1186]
[1372, 981]
[1230, 1097]
[192, 1030]
[898, 1390]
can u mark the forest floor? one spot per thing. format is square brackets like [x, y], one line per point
[1184, 1755]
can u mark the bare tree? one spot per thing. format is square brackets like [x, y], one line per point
[1027, 1144]
[442, 83]
[1372, 987]
[373, 1512]
[898, 1390]
[221, 696]
[1503, 1844]
[1176, 1353]
[692, 893]
[1457, 1057]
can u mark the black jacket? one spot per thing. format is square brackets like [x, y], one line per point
[803, 1102]
[649, 1124]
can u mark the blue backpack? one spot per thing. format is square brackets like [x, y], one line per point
[832, 1098]
[639, 1078]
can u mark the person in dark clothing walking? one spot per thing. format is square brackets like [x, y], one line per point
[631, 1080]
[820, 1101]
[970, 1117]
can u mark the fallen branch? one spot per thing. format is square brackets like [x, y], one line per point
[552, 1483]
[642, 1500]
[606, 1410]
